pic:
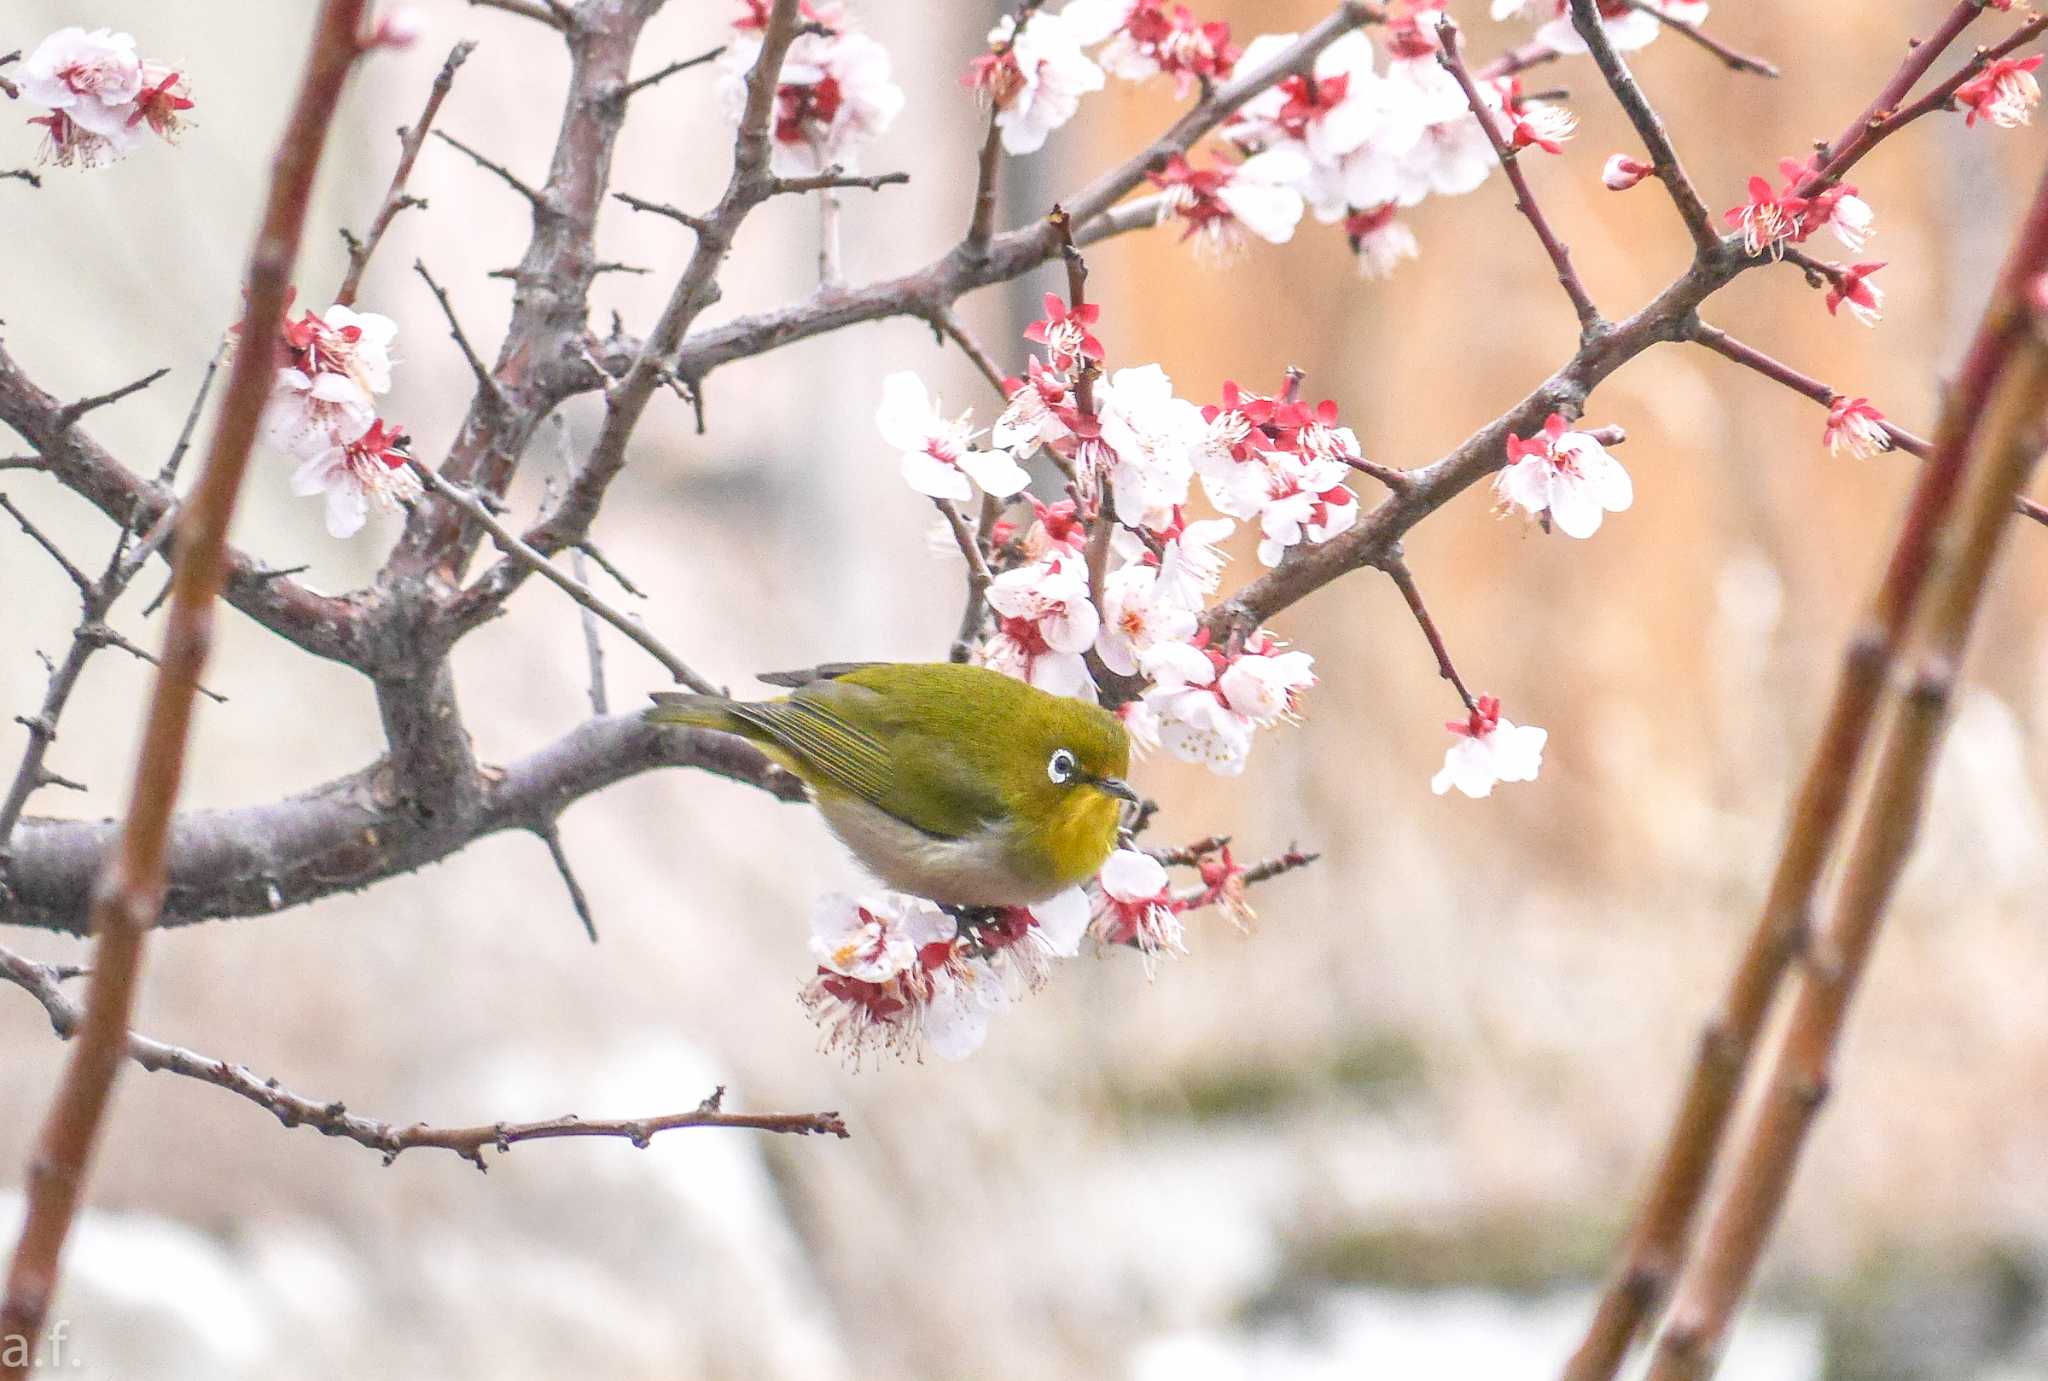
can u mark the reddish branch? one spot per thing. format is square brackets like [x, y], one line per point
[1990, 434]
[131, 889]
[410, 141]
[1735, 61]
[1657, 1243]
[1525, 200]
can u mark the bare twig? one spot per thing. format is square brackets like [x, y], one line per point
[1649, 126]
[551, 835]
[978, 579]
[1735, 61]
[640, 84]
[410, 141]
[1866, 130]
[530, 9]
[487, 383]
[44, 982]
[517, 550]
[68, 415]
[22, 174]
[826, 181]
[658, 208]
[168, 475]
[1397, 571]
[946, 322]
[579, 566]
[1525, 200]
[132, 888]
[510, 179]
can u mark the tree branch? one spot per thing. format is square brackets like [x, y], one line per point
[1649, 127]
[131, 891]
[410, 141]
[1736, 62]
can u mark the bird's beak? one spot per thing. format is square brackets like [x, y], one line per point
[1117, 787]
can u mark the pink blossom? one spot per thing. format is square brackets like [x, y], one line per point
[1151, 437]
[1378, 240]
[1068, 334]
[835, 96]
[1136, 906]
[1855, 425]
[939, 458]
[1194, 721]
[91, 78]
[1622, 172]
[1769, 219]
[1153, 37]
[374, 467]
[2005, 93]
[1139, 612]
[1533, 124]
[162, 102]
[1035, 77]
[875, 984]
[1853, 285]
[1566, 476]
[1036, 413]
[309, 415]
[1488, 748]
[1044, 622]
[1225, 204]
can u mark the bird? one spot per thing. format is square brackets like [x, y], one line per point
[951, 782]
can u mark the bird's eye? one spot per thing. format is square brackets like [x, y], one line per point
[1060, 767]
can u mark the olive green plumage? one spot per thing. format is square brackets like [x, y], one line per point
[955, 782]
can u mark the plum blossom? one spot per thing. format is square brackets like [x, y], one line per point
[1282, 462]
[1565, 475]
[1488, 749]
[835, 93]
[965, 992]
[1139, 611]
[1855, 425]
[1350, 124]
[1190, 567]
[1021, 942]
[373, 467]
[1208, 705]
[92, 79]
[1533, 124]
[1627, 26]
[1226, 204]
[1036, 414]
[939, 458]
[1306, 501]
[308, 414]
[1151, 437]
[1853, 285]
[1067, 333]
[1035, 77]
[1136, 906]
[1149, 37]
[1378, 240]
[1044, 623]
[877, 955]
[1768, 220]
[1622, 172]
[100, 96]
[2005, 93]
[1452, 155]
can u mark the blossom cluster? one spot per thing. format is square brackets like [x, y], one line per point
[898, 974]
[101, 96]
[331, 366]
[834, 95]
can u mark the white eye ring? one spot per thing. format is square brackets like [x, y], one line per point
[1060, 767]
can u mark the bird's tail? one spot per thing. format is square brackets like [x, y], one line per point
[700, 711]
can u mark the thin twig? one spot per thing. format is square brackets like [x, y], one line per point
[69, 414]
[1649, 126]
[332, 1118]
[511, 180]
[551, 835]
[1867, 129]
[131, 891]
[486, 382]
[1404, 581]
[168, 475]
[832, 178]
[517, 550]
[640, 84]
[978, 579]
[659, 208]
[22, 174]
[410, 141]
[593, 644]
[1525, 200]
[946, 321]
[530, 9]
[78, 578]
[1735, 61]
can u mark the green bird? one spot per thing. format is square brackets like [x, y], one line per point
[951, 782]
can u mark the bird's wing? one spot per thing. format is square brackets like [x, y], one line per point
[838, 753]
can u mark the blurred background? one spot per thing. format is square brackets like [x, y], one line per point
[1396, 1131]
